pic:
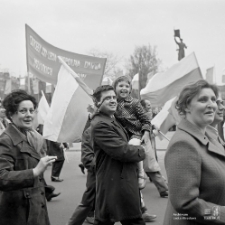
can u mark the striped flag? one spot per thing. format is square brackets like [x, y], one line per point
[68, 112]
[167, 117]
[164, 86]
[210, 75]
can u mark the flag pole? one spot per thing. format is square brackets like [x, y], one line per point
[79, 80]
[164, 135]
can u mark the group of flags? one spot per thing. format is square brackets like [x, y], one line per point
[65, 119]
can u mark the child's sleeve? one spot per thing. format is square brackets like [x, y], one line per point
[143, 117]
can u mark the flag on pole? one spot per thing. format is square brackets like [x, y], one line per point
[68, 112]
[167, 117]
[164, 86]
[8, 86]
[43, 109]
[210, 75]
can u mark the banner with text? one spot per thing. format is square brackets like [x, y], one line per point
[43, 63]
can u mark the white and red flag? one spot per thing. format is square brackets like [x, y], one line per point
[68, 112]
[164, 86]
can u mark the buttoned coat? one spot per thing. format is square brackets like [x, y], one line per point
[195, 166]
[117, 191]
[22, 196]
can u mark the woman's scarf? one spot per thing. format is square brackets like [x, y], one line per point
[34, 139]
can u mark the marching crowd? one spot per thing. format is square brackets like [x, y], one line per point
[118, 151]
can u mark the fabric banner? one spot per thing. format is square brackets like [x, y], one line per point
[42, 61]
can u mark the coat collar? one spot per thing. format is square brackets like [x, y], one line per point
[20, 139]
[112, 120]
[12, 131]
[205, 139]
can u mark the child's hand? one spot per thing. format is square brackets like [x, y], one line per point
[134, 141]
[145, 138]
[155, 132]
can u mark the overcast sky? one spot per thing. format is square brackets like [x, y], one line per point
[116, 26]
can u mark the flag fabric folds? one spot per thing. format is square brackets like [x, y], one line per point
[167, 117]
[164, 86]
[43, 109]
[68, 112]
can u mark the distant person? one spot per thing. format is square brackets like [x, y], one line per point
[49, 189]
[195, 162]
[3, 120]
[181, 50]
[22, 192]
[212, 129]
[85, 210]
[55, 148]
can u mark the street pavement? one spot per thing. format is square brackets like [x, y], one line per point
[61, 208]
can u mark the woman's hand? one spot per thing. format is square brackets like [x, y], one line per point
[145, 138]
[43, 164]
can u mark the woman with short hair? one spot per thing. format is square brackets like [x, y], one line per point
[195, 164]
[22, 196]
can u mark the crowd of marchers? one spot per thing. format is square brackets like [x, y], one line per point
[119, 153]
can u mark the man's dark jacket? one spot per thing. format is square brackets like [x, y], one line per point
[117, 191]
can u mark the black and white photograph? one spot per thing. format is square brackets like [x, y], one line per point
[112, 112]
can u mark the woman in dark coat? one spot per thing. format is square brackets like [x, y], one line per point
[195, 162]
[22, 193]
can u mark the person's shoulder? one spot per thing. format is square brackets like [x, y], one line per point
[5, 139]
[100, 119]
[182, 138]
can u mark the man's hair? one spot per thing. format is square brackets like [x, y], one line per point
[98, 92]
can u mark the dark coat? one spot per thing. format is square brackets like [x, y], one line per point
[117, 191]
[87, 152]
[22, 196]
[195, 166]
[88, 160]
